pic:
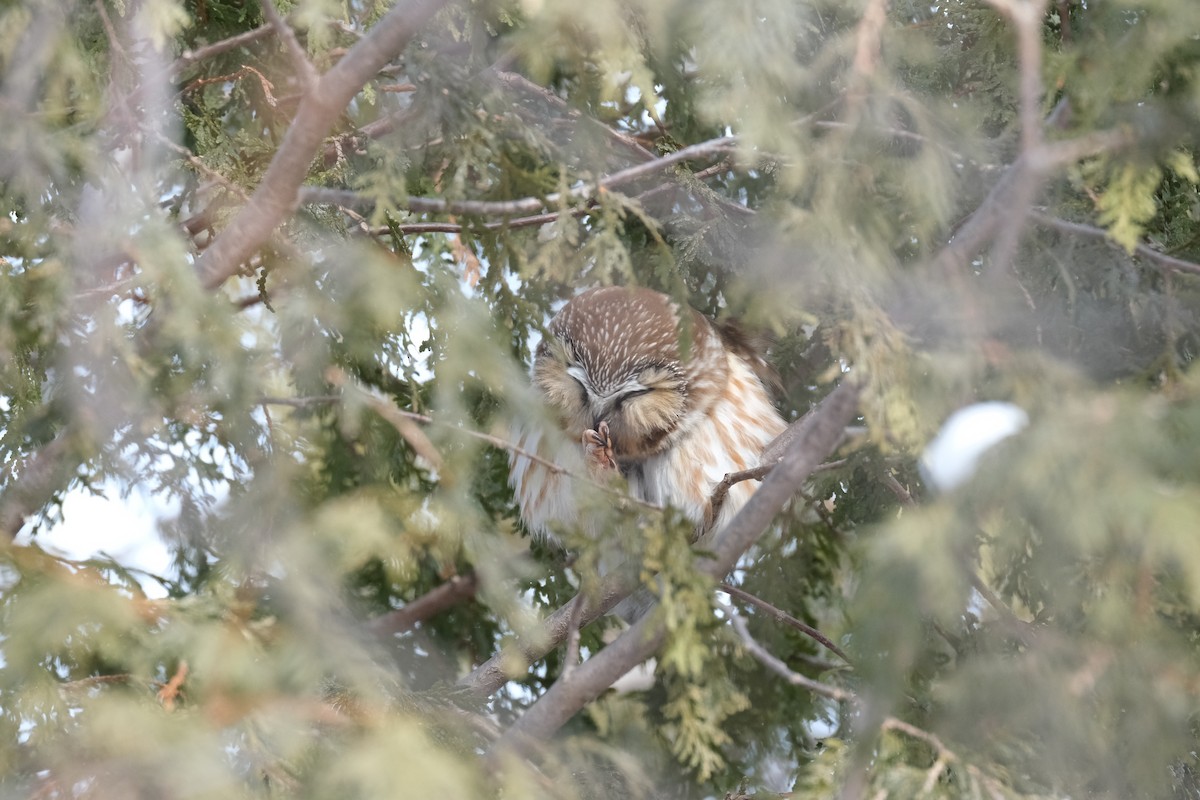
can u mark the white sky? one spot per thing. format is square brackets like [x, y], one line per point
[124, 528]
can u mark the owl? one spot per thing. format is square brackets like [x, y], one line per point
[651, 390]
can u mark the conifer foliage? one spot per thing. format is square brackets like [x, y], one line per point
[281, 266]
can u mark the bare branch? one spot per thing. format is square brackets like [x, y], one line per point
[190, 57]
[717, 500]
[1002, 215]
[782, 616]
[402, 421]
[1026, 17]
[721, 492]
[776, 665]
[276, 196]
[1167, 262]
[457, 589]
[903, 495]
[817, 434]
[944, 755]
[114, 41]
[1021, 180]
[526, 205]
[542, 219]
[491, 675]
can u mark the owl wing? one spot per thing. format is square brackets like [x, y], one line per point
[546, 497]
[729, 438]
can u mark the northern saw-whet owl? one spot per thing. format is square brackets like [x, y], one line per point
[673, 407]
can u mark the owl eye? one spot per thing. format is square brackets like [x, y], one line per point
[630, 395]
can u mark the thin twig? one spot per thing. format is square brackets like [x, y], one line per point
[893, 724]
[301, 402]
[304, 68]
[902, 494]
[190, 57]
[454, 227]
[1167, 262]
[776, 665]
[199, 165]
[717, 500]
[782, 616]
[169, 692]
[1023, 631]
[541, 219]
[721, 490]
[944, 755]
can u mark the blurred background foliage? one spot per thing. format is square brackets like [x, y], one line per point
[1033, 633]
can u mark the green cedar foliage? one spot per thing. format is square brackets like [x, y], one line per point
[1031, 634]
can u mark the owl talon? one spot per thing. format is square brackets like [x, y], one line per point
[597, 444]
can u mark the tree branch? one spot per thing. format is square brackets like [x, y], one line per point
[276, 195]
[868, 37]
[1167, 262]
[784, 617]
[1002, 215]
[817, 434]
[776, 665]
[304, 68]
[457, 589]
[190, 57]
[490, 676]
[526, 205]
[943, 754]
[539, 219]
[1026, 17]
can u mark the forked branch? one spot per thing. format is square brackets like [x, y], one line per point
[277, 195]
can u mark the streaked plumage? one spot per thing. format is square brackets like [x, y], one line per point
[673, 406]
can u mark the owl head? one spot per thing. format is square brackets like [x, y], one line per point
[627, 357]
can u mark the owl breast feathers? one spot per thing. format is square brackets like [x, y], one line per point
[671, 401]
